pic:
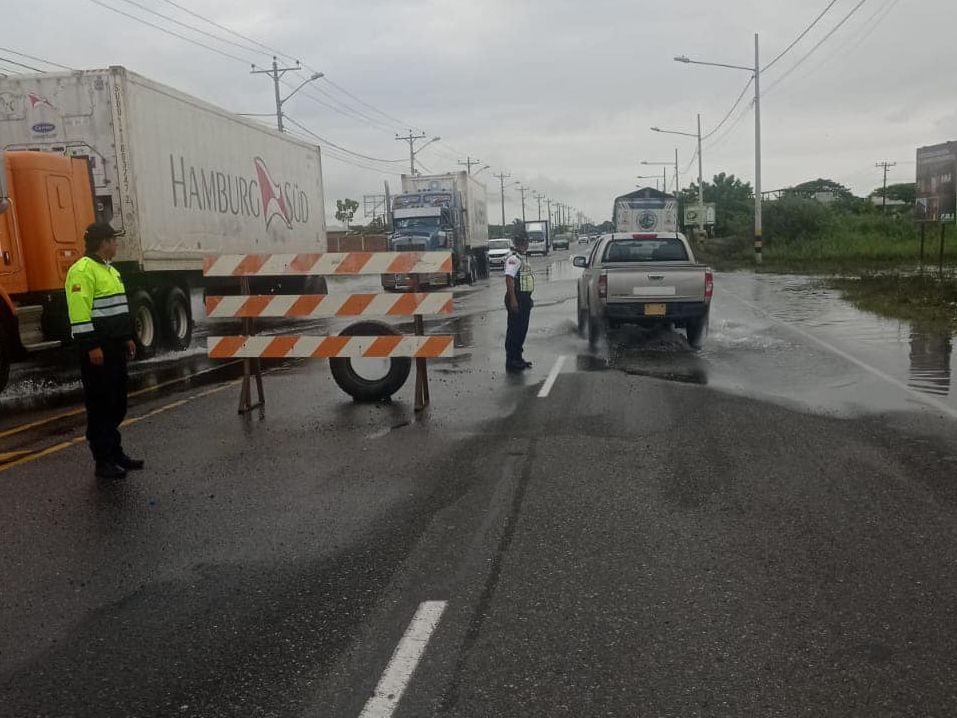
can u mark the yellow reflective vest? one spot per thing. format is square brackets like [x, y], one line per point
[96, 300]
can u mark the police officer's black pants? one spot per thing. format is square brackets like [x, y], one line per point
[517, 327]
[104, 392]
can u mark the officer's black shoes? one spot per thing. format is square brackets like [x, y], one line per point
[528, 364]
[109, 471]
[125, 462]
[513, 367]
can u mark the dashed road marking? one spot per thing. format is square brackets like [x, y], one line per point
[403, 663]
[552, 376]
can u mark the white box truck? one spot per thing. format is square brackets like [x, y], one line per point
[441, 212]
[179, 177]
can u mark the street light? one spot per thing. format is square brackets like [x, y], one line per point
[656, 178]
[664, 172]
[756, 73]
[482, 170]
[700, 179]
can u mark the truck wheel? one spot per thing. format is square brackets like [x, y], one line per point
[143, 314]
[582, 318]
[378, 388]
[4, 363]
[697, 330]
[594, 331]
[177, 320]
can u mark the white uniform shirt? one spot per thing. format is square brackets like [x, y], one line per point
[521, 271]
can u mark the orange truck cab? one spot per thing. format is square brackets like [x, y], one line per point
[46, 203]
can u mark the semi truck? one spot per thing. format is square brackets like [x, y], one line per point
[440, 212]
[539, 237]
[179, 178]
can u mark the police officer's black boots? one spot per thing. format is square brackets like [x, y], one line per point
[110, 471]
[128, 464]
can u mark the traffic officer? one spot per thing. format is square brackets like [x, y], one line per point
[519, 285]
[103, 331]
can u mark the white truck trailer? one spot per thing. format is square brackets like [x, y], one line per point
[179, 177]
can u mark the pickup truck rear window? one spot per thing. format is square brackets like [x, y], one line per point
[645, 250]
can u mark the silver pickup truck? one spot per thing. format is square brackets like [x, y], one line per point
[649, 279]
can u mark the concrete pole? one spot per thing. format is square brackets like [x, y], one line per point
[700, 182]
[758, 227]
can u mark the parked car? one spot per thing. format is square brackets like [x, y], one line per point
[497, 252]
[560, 242]
[648, 279]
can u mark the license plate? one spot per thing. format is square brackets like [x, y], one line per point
[656, 310]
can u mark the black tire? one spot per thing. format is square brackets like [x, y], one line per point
[697, 330]
[145, 324]
[595, 331]
[4, 361]
[176, 320]
[360, 388]
[582, 318]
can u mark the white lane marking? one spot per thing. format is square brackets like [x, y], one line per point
[920, 397]
[404, 661]
[552, 376]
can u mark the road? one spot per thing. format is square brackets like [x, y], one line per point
[767, 527]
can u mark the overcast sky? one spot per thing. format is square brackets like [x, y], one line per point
[560, 93]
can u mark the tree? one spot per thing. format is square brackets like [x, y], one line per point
[903, 191]
[346, 210]
[733, 199]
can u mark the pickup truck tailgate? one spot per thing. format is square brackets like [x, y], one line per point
[655, 283]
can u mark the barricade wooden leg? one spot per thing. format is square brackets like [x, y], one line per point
[251, 368]
[422, 397]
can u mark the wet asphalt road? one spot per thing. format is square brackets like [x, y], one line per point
[766, 527]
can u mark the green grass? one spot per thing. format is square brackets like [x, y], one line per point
[926, 299]
[854, 244]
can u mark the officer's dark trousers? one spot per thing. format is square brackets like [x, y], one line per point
[517, 327]
[104, 391]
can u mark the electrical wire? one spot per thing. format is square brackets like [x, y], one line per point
[870, 25]
[272, 50]
[333, 144]
[32, 57]
[800, 37]
[814, 49]
[166, 31]
[730, 112]
[20, 64]
[372, 107]
[191, 27]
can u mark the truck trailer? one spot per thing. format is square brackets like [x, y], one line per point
[179, 178]
[441, 212]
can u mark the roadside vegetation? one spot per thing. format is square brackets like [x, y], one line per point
[820, 227]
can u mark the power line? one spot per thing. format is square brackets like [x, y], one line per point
[800, 37]
[271, 50]
[20, 64]
[31, 57]
[870, 25]
[344, 91]
[191, 27]
[818, 45]
[172, 33]
[338, 146]
[733, 108]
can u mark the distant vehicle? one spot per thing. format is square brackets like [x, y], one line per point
[436, 213]
[498, 251]
[539, 237]
[648, 279]
[561, 241]
[584, 239]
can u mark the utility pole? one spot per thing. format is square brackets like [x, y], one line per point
[523, 189]
[469, 162]
[411, 138]
[501, 179]
[539, 198]
[548, 201]
[276, 73]
[886, 166]
[758, 221]
[701, 212]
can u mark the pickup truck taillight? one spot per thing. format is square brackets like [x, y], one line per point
[603, 286]
[708, 285]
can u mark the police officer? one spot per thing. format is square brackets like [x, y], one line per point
[103, 331]
[519, 285]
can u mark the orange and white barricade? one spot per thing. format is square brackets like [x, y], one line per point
[252, 348]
